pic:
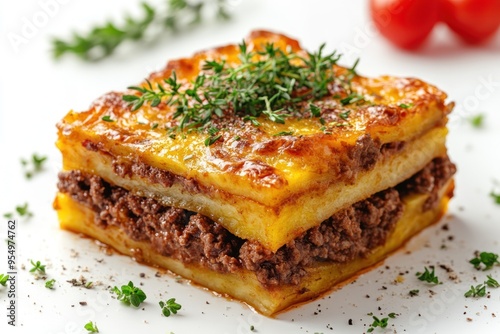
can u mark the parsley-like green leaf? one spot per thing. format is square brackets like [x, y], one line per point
[91, 327]
[169, 307]
[130, 294]
[428, 276]
[487, 259]
[3, 279]
[476, 291]
[37, 267]
[24, 211]
[495, 196]
[34, 165]
[382, 323]
[477, 121]
[50, 284]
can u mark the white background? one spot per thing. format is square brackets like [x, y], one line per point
[36, 91]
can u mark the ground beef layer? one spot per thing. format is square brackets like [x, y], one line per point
[193, 238]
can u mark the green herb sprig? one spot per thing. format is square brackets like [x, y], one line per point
[480, 289]
[169, 307]
[477, 121]
[3, 279]
[476, 291]
[34, 165]
[491, 282]
[130, 294]
[91, 327]
[50, 284]
[485, 258]
[413, 292]
[38, 267]
[21, 210]
[101, 41]
[428, 276]
[271, 83]
[382, 323]
[495, 196]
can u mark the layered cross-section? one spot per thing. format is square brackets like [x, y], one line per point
[271, 206]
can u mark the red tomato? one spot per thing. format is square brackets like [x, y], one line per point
[473, 20]
[406, 23]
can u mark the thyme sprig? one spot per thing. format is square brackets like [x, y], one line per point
[382, 323]
[169, 307]
[487, 259]
[480, 289]
[428, 276]
[129, 294]
[101, 41]
[271, 82]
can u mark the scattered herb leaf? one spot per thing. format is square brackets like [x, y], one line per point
[23, 210]
[414, 293]
[486, 258]
[477, 121]
[169, 307]
[382, 323]
[428, 276]
[496, 197]
[491, 282]
[130, 294]
[476, 291]
[91, 327]
[3, 279]
[34, 165]
[50, 284]
[37, 267]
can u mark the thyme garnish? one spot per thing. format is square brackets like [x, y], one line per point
[104, 39]
[272, 83]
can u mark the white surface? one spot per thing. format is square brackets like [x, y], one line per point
[36, 92]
